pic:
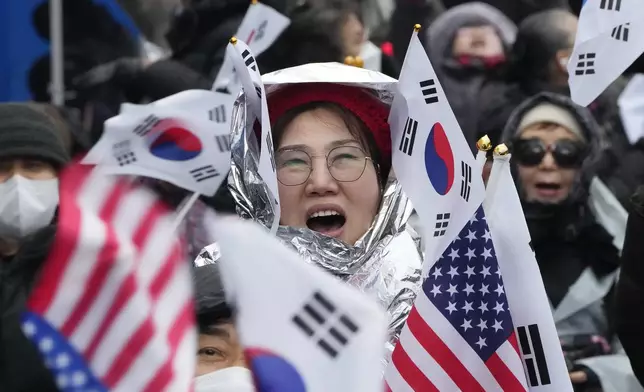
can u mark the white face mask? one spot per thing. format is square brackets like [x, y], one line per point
[26, 205]
[232, 379]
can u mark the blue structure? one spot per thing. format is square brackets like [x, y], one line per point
[21, 46]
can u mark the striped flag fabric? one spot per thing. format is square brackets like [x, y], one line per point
[459, 335]
[112, 309]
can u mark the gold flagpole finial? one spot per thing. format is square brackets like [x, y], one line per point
[501, 150]
[253, 2]
[350, 60]
[359, 62]
[417, 27]
[484, 144]
[233, 40]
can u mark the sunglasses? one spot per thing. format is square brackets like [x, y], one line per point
[566, 153]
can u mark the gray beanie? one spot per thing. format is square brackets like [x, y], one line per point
[26, 132]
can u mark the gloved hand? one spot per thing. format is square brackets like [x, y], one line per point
[121, 72]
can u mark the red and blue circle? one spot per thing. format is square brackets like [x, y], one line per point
[439, 160]
[273, 373]
[173, 142]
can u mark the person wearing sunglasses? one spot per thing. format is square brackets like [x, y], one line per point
[557, 149]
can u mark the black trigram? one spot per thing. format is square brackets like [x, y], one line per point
[586, 64]
[146, 126]
[258, 90]
[533, 356]
[203, 173]
[611, 5]
[620, 32]
[269, 144]
[223, 142]
[466, 181]
[259, 34]
[320, 320]
[249, 60]
[442, 221]
[408, 136]
[123, 153]
[218, 114]
[428, 87]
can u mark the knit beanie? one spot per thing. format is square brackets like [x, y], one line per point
[26, 132]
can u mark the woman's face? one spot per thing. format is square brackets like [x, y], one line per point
[352, 35]
[549, 179]
[340, 209]
[481, 41]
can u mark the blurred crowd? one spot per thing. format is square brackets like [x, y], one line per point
[503, 66]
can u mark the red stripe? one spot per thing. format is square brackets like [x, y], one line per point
[128, 287]
[182, 325]
[503, 375]
[513, 342]
[104, 261]
[441, 353]
[250, 37]
[387, 388]
[137, 342]
[72, 180]
[408, 370]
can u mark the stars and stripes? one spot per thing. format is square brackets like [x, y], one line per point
[113, 307]
[459, 335]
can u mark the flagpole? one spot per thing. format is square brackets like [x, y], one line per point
[493, 182]
[183, 211]
[483, 145]
[57, 75]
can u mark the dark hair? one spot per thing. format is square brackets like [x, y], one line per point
[357, 128]
[539, 38]
[206, 321]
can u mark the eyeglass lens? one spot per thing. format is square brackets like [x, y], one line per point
[345, 164]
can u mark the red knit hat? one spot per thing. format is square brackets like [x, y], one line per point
[358, 101]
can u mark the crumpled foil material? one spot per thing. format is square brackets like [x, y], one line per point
[386, 261]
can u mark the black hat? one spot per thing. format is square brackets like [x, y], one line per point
[26, 131]
[210, 298]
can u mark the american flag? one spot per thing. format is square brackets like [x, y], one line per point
[459, 335]
[112, 309]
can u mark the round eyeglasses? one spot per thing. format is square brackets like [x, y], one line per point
[345, 164]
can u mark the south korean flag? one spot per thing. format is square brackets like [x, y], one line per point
[430, 156]
[610, 37]
[246, 67]
[177, 143]
[261, 26]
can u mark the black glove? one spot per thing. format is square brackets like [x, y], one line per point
[120, 72]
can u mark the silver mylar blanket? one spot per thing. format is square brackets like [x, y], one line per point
[385, 262]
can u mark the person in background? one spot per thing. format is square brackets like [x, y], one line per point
[31, 156]
[468, 47]
[629, 295]
[538, 63]
[220, 358]
[517, 10]
[556, 147]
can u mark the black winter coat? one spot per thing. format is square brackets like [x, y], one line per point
[21, 367]
[630, 289]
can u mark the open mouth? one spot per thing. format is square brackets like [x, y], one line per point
[548, 188]
[327, 222]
